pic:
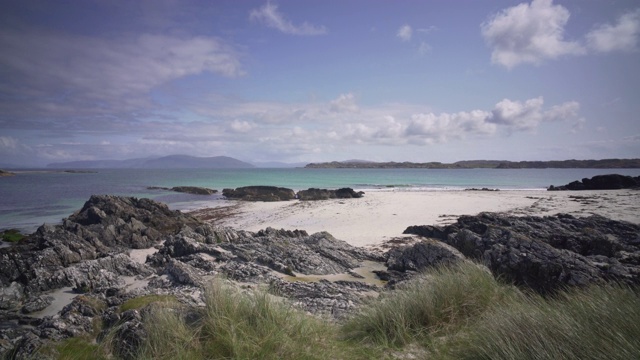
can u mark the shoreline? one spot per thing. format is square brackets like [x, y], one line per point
[381, 216]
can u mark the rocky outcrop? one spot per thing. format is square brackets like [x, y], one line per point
[546, 253]
[6, 173]
[89, 253]
[194, 190]
[260, 193]
[324, 194]
[601, 182]
[104, 227]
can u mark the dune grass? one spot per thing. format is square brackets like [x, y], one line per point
[457, 312]
[598, 322]
[434, 304]
[237, 325]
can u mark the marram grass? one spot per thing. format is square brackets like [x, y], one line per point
[457, 312]
[597, 322]
[436, 303]
[244, 325]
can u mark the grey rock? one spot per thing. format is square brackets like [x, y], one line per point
[546, 253]
[601, 182]
[260, 193]
[422, 255]
[324, 194]
[37, 303]
[11, 296]
[195, 190]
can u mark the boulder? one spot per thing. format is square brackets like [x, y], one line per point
[601, 182]
[260, 193]
[422, 255]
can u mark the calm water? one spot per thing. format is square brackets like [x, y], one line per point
[30, 199]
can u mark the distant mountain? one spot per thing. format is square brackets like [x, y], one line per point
[165, 162]
[278, 164]
[490, 164]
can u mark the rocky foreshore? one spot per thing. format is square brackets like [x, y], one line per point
[95, 253]
[117, 249]
[601, 182]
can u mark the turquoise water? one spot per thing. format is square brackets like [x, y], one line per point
[30, 199]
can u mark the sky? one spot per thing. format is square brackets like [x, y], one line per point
[319, 80]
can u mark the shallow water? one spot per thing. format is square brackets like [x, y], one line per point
[366, 271]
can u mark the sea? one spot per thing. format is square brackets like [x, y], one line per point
[32, 198]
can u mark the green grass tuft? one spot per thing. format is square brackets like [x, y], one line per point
[237, 325]
[598, 322]
[436, 303]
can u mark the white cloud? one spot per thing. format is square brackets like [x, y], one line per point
[404, 33]
[269, 15]
[344, 103]
[240, 126]
[424, 48]
[529, 33]
[62, 76]
[527, 116]
[7, 142]
[623, 36]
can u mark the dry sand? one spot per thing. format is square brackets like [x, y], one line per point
[380, 216]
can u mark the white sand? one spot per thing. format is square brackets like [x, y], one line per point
[383, 215]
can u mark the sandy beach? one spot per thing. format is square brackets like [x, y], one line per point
[380, 216]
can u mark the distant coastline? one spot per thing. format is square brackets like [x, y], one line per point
[486, 164]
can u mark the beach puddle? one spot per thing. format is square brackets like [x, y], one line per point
[366, 271]
[62, 297]
[140, 255]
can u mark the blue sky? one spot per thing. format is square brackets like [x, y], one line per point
[309, 81]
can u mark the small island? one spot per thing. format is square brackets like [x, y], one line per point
[6, 173]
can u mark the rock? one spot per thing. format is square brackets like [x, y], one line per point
[11, 296]
[601, 182]
[37, 303]
[325, 297]
[183, 274]
[6, 173]
[546, 253]
[194, 190]
[422, 255]
[260, 193]
[324, 194]
[132, 222]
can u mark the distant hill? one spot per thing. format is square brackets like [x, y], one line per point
[165, 162]
[489, 164]
[278, 164]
